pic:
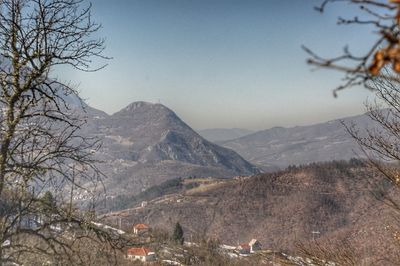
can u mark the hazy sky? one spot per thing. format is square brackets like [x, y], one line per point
[222, 63]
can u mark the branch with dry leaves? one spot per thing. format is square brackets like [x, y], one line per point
[383, 17]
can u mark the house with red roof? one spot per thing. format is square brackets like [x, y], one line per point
[244, 248]
[139, 229]
[143, 254]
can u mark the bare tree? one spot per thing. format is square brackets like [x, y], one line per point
[381, 141]
[378, 69]
[40, 146]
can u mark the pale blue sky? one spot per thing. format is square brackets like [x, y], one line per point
[222, 63]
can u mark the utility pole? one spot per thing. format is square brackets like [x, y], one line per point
[273, 257]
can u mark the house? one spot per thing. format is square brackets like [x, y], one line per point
[143, 254]
[255, 245]
[139, 229]
[244, 248]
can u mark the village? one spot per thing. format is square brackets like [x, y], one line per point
[150, 248]
[146, 254]
[248, 252]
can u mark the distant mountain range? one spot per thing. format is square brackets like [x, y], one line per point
[145, 144]
[223, 134]
[279, 147]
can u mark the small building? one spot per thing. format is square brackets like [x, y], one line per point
[255, 245]
[139, 229]
[244, 248]
[143, 254]
[144, 204]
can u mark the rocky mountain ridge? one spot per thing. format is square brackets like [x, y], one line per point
[145, 144]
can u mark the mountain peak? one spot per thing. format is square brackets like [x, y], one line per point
[148, 143]
[137, 106]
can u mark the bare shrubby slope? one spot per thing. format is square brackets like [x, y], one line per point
[282, 209]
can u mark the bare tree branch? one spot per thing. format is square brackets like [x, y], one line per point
[383, 17]
[41, 147]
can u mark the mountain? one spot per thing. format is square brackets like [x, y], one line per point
[223, 134]
[280, 209]
[280, 147]
[145, 144]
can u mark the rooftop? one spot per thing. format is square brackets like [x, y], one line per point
[141, 226]
[139, 251]
[244, 246]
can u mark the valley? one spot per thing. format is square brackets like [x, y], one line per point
[287, 187]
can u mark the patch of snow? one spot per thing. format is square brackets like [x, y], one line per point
[232, 255]
[172, 262]
[119, 231]
[227, 247]
[6, 243]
